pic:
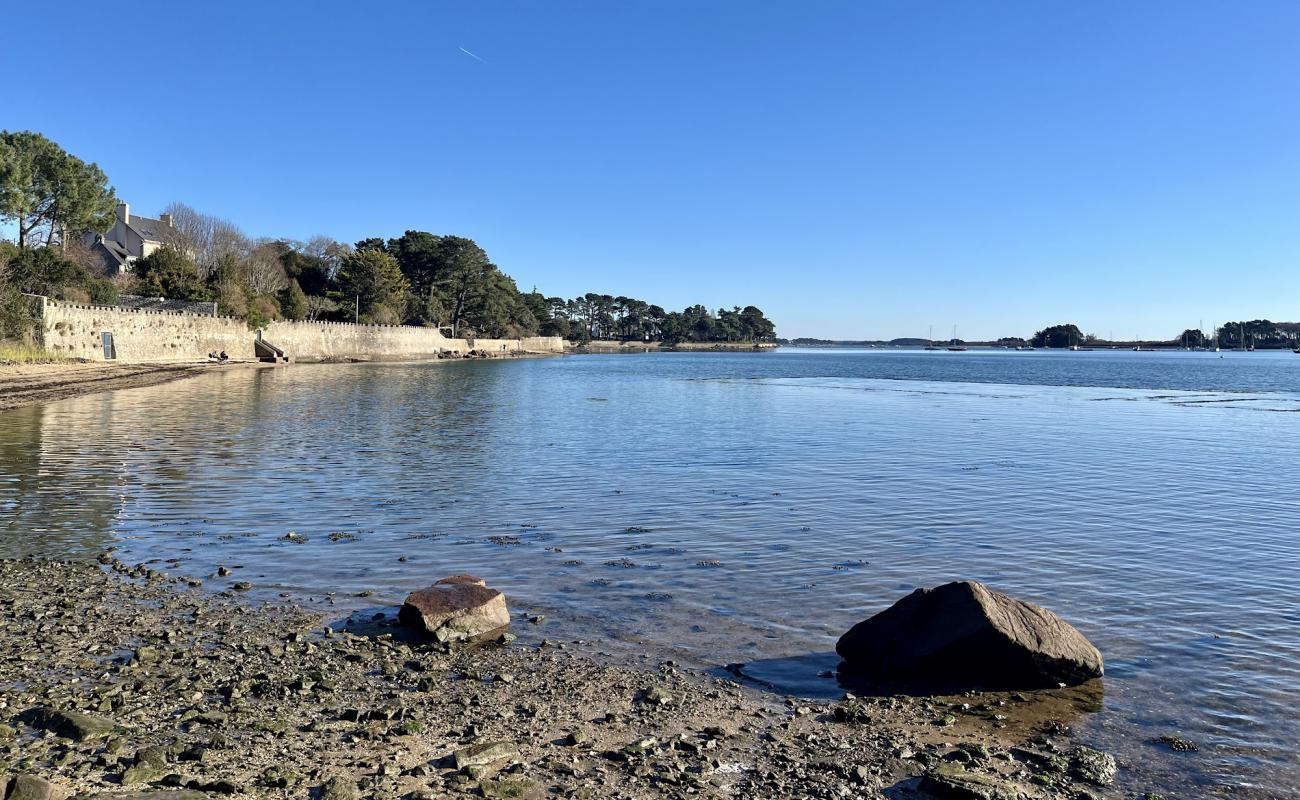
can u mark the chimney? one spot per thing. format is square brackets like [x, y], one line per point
[166, 219]
[124, 213]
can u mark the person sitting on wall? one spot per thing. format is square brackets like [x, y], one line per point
[212, 356]
[223, 358]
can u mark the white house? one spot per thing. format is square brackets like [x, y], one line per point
[131, 237]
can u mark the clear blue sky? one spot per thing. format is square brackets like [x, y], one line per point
[856, 169]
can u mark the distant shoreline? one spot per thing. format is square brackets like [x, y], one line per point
[612, 346]
[1164, 347]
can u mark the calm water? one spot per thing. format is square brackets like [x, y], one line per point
[748, 507]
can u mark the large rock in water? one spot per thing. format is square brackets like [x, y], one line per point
[965, 633]
[456, 608]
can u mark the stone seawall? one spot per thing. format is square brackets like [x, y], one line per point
[78, 331]
[314, 341]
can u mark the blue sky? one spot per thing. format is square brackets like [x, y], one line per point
[857, 169]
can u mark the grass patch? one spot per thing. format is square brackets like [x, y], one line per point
[411, 727]
[17, 353]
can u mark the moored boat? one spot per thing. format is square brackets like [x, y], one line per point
[956, 347]
[932, 345]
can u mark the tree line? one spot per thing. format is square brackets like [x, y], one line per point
[1259, 333]
[603, 316]
[418, 278]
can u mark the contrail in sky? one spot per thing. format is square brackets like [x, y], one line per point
[471, 55]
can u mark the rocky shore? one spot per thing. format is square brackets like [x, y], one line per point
[119, 681]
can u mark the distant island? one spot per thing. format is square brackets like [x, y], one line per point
[1258, 334]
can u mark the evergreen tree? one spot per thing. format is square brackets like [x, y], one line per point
[370, 278]
[44, 187]
[293, 301]
[168, 273]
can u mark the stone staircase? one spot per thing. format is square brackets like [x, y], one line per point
[265, 351]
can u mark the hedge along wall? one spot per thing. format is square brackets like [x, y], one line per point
[142, 336]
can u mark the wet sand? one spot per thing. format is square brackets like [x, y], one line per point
[25, 384]
[125, 678]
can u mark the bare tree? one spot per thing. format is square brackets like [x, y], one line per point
[193, 231]
[261, 271]
[205, 237]
[127, 283]
[319, 305]
[79, 250]
[227, 240]
[328, 251]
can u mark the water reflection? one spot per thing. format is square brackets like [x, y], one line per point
[719, 509]
[823, 675]
[43, 513]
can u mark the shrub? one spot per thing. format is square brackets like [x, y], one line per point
[16, 319]
[168, 273]
[261, 311]
[231, 300]
[43, 271]
[381, 314]
[103, 292]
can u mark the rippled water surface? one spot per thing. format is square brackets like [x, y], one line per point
[717, 508]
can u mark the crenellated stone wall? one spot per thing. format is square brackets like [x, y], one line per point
[314, 341]
[77, 331]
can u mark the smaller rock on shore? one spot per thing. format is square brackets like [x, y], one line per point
[455, 609]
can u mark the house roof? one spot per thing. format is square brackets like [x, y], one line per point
[116, 253]
[155, 230]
